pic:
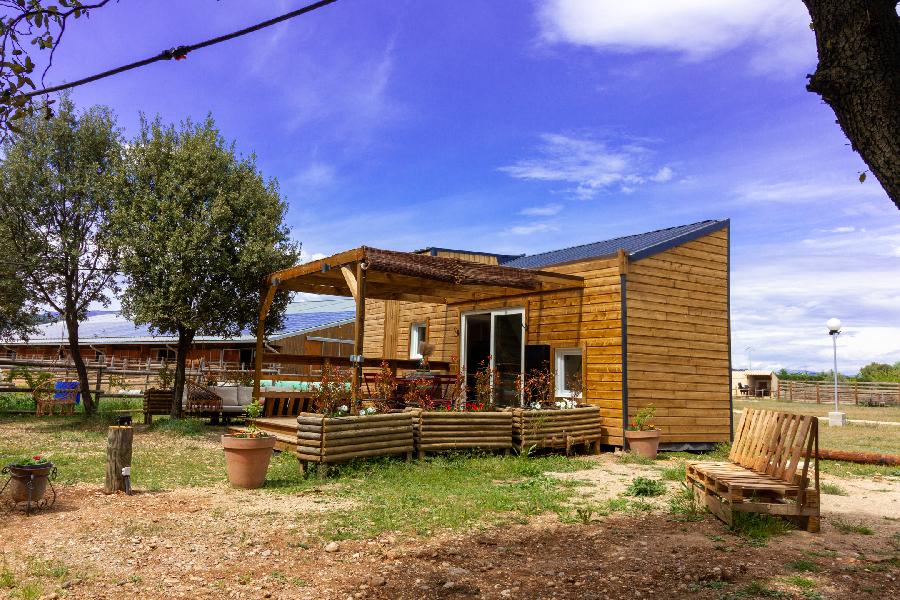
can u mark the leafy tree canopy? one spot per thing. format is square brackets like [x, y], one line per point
[59, 180]
[199, 229]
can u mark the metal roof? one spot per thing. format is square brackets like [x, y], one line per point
[637, 246]
[111, 327]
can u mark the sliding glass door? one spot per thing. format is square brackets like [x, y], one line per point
[500, 336]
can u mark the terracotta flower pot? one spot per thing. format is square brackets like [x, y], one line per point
[20, 478]
[643, 443]
[247, 460]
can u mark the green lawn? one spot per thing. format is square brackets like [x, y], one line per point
[889, 413]
[446, 491]
[855, 438]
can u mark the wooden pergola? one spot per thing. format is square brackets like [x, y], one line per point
[366, 272]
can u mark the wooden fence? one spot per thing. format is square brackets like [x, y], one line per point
[864, 393]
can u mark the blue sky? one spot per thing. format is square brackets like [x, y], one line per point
[520, 126]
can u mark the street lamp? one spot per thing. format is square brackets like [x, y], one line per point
[836, 418]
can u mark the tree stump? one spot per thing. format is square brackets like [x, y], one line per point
[118, 455]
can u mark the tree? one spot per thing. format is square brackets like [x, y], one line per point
[58, 183]
[858, 76]
[27, 25]
[880, 372]
[198, 229]
[18, 316]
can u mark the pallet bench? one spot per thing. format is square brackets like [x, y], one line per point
[768, 470]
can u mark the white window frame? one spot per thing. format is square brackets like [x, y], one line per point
[415, 340]
[560, 372]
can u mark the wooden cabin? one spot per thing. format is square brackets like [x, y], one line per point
[641, 319]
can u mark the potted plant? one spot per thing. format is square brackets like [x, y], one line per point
[33, 472]
[642, 436]
[247, 453]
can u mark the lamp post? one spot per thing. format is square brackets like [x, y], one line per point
[836, 418]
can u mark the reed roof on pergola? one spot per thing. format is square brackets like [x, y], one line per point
[392, 275]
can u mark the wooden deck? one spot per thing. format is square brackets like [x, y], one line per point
[283, 428]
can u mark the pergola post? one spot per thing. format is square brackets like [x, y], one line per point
[264, 306]
[359, 333]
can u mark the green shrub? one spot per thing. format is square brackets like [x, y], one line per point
[804, 565]
[851, 527]
[684, 505]
[833, 489]
[641, 486]
[758, 528]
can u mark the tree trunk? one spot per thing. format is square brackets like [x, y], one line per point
[185, 339]
[84, 383]
[858, 76]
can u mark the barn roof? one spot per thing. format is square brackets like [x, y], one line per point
[637, 246]
[111, 327]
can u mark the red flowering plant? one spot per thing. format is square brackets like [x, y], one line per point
[333, 394]
[418, 393]
[536, 389]
[385, 389]
[456, 391]
[38, 460]
[487, 385]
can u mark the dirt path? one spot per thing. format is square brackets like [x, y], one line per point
[220, 543]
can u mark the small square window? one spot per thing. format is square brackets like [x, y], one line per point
[416, 337]
[568, 373]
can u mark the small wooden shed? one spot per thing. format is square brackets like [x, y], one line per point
[641, 319]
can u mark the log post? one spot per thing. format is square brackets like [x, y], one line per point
[118, 455]
[358, 334]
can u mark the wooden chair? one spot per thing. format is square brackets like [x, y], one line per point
[65, 398]
[43, 398]
[201, 399]
[767, 470]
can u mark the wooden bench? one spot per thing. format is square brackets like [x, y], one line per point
[157, 402]
[767, 470]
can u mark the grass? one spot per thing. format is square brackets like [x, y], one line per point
[804, 565]
[641, 486]
[674, 472]
[165, 456]
[867, 413]
[755, 589]
[446, 492]
[628, 458]
[855, 438]
[848, 527]
[832, 489]
[684, 506]
[758, 528]
[801, 582]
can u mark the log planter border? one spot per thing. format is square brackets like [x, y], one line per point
[557, 428]
[324, 440]
[446, 430]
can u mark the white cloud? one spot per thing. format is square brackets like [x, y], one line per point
[315, 175]
[776, 30]
[663, 175]
[547, 210]
[590, 165]
[806, 191]
[532, 228]
[783, 291]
